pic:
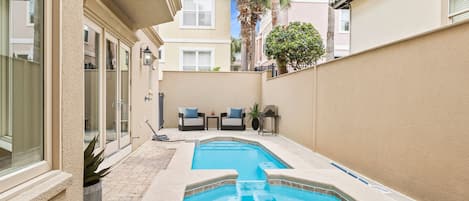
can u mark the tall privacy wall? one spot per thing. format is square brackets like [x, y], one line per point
[398, 114]
[209, 91]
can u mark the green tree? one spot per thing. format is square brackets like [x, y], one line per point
[297, 45]
[235, 48]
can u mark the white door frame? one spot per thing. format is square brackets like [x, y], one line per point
[125, 140]
[113, 146]
[101, 44]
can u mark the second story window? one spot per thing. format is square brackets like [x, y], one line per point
[198, 13]
[344, 20]
[458, 10]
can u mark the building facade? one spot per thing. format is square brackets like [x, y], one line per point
[199, 37]
[310, 11]
[71, 71]
[375, 23]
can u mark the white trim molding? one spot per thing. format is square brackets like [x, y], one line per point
[195, 40]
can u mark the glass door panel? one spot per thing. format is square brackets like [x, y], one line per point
[124, 69]
[92, 83]
[111, 96]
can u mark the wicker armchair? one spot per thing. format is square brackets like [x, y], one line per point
[227, 123]
[190, 124]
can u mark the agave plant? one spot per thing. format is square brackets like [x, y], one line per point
[91, 163]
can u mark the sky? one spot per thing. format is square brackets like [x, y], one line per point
[235, 27]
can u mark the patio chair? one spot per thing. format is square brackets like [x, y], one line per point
[190, 123]
[230, 122]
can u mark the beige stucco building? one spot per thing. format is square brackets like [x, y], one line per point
[199, 37]
[375, 23]
[72, 70]
[309, 11]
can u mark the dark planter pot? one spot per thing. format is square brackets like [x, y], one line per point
[92, 193]
[255, 124]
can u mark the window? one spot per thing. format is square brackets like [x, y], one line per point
[92, 73]
[198, 13]
[85, 34]
[344, 20]
[197, 60]
[161, 54]
[22, 93]
[458, 10]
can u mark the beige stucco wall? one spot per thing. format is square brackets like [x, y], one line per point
[293, 95]
[375, 23]
[217, 38]
[144, 80]
[209, 91]
[172, 55]
[221, 30]
[397, 114]
[72, 89]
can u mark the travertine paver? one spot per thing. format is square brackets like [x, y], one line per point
[129, 179]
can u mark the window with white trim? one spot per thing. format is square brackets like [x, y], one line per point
[197, 13]
[22, 90]
[197, 60]
[161, 54]
[458, 10]
[344, 20]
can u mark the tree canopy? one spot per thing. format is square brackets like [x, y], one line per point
[297, 45]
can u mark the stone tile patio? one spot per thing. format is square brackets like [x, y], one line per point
[130, 178]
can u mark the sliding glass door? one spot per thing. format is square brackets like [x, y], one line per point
[124, 100]
[111, 94]
[92, 68]
[107, 89]
[117, 87]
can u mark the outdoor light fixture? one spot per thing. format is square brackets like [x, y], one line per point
[147, 56]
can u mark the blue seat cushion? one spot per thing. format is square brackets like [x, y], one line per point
[235, 113]
[191, 113]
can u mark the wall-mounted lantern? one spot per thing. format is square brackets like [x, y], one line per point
[147, 57]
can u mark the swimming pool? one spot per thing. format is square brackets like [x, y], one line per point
[250, 161]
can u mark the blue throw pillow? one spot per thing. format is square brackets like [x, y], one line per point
[235, 113]
[191, 113]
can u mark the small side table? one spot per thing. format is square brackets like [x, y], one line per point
[213, 117]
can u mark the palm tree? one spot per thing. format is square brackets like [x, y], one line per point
[244, 18]
[250, 12]
[330, 34]
[275, 7]
[258, 8]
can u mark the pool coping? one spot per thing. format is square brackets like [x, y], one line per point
[178, 179]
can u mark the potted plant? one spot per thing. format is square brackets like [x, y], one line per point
[254, 115]
[91, 176]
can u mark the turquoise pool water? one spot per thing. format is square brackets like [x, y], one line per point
[250, 161]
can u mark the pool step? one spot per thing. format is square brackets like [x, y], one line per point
[249, 187]
[263, 196]
[267, 165]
